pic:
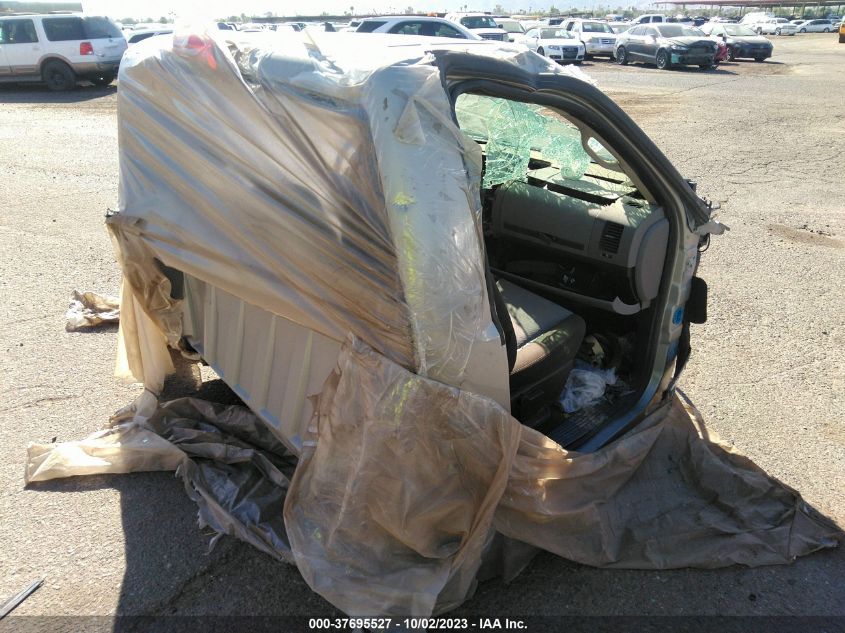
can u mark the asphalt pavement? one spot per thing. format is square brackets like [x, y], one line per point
[765, 140]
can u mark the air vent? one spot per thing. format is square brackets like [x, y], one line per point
[611, 236]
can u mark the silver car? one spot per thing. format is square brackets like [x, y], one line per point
[816, 26]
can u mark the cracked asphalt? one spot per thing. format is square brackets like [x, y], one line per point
[765, 140]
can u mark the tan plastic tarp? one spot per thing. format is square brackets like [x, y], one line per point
[256, 171]
[323, 181]
[406, 479]
[405, 482]
[233, 466]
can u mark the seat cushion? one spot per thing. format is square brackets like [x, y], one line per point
[547, 339]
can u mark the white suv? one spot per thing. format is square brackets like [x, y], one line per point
[481, 24]
[597, 36]
[59, 49]
[774, 26]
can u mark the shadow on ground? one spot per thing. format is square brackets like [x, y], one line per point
[35, 93]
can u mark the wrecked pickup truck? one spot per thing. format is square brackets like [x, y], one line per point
[472, 212]
[399, 254]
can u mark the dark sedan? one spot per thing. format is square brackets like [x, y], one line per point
[743, 43]
[666, 45]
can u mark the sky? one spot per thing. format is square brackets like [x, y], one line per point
[190, 10]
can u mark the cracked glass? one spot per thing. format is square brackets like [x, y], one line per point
[514, 133]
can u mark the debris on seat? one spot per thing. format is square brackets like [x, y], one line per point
[585, 386]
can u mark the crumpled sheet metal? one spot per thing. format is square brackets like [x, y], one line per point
[402, 486]
[89, 309]
[324, 182]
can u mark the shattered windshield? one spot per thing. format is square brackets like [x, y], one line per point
[514, 133]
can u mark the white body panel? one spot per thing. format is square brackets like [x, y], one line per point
[272, 363]
[275, 365]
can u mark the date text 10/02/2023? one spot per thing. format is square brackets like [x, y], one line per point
[438, 624]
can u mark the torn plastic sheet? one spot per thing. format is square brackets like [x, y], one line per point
[406, 480]
[89, 309]
[232, 465]
[405, 483]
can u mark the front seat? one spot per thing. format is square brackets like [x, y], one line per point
[542, 340]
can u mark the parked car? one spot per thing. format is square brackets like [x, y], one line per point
[774, 26]
[798, 22]
[598, 37]
[60, 49]
[743, 43]
[816, 26]
[415, 25]
[619, 27]
[352, 236]
[139, 36]
[555, 43]
[666, 45]
[481, 24]
[514, 29]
